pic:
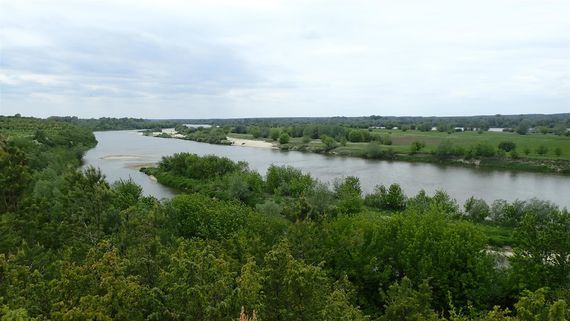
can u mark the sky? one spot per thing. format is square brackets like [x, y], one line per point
[272, 58]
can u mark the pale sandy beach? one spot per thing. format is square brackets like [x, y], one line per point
[120, 157]
[250, 143]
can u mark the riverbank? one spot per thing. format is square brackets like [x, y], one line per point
[250, 143]
[396, 153]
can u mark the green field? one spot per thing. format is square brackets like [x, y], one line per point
[554, 158]
[401, 141]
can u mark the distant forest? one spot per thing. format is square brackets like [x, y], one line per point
[479, 122]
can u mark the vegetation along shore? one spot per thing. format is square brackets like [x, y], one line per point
[540, 146]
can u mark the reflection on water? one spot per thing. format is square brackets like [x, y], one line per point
[119, 154]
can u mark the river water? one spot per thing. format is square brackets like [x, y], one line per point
[119, 154]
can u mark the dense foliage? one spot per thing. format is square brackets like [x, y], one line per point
[520, 123]
[107, 123]
[74, 247]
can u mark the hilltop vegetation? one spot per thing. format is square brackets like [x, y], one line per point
[74, 247]
[108, 123]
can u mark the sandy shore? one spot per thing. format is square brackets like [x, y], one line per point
[250, 143]
[141, 165]
[120, 157]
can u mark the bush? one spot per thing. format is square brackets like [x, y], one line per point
[373, 150]
[417, 146]
[541, 150]
[507, 146]
[198, 215]
[349, 195]
[445, 150]
[284, 138]
[329, 142]
[392, 199]
[476, 209]
[275, 133]
[484, 150]
[287, 181]
[355, 136]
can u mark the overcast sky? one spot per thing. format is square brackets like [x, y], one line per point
[260, 58]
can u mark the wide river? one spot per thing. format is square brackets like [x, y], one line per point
[119, 154]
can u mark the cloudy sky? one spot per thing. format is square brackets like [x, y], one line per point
[247, 58]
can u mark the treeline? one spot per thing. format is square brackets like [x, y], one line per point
[107, 123]
[283, 247]
[552, 121]
[210, 135]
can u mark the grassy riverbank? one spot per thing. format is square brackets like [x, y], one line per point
[533, 152]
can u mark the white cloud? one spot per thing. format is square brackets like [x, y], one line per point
[229, 58]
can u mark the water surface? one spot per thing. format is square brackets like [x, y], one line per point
[120, 153]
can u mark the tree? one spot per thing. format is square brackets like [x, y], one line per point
[284, 138]
[535, 306]
[275, 133]
[356, 136]
[476, 210]
[198, 283]
[255, 132]
[329, 142]
[15, 176]
[349, 195]
[522, 128]
[127, 193]
[287, 181]
[542, 259]
[395, 199]
[293, 289]
[417, 146]
[197, 215]
[407, 304]
[507, 146]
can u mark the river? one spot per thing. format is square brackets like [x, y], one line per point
[119, 154]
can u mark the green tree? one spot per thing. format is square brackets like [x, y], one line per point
[329, 142]
[507, 146]
[198, 283]
[284, 138]
[407, 304]
[197, 215]
[535, 306]
[522, 128]
[417, 146]
[275, 133]
[349, 195]
[395, 199]
[541, 257]
[476, 210]
[293, 289]
[15, 176]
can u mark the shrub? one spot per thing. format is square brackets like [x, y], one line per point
[507, 146]
[541, 150]
[284, 138]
